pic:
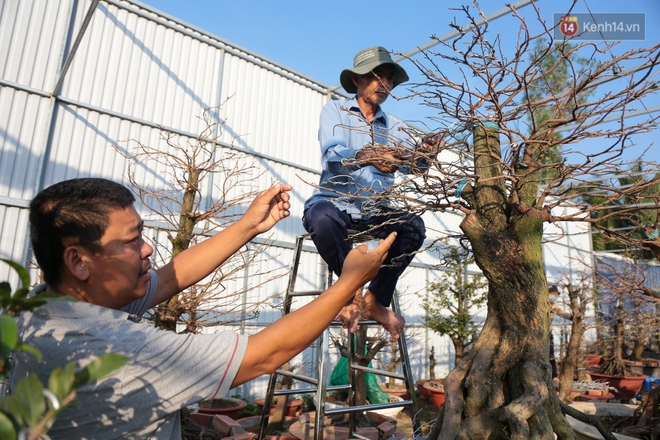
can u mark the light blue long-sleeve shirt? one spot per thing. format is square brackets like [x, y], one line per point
[342, 133]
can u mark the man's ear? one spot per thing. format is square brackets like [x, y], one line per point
[354, 78]
[75, 261]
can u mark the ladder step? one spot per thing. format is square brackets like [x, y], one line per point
[306, 293]
[379, 372]
[373, 406]
[309, 390]
[307, 379]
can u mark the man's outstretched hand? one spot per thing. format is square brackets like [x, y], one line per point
[268, 208]
[362, 265]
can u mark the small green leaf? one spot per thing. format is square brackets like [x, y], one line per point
[29, 349]
[20, 295]
[31, 303]
[7, 430]
[30, 399]
[5, 293]
[22, 272]
[60, 381]
[98, 368]
[8, 335]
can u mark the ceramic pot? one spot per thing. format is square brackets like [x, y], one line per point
[437, 395]
[644, 367]
[226, 406]
[627, 386]
[422, 389]
[390, 412]
[292, 407]
[602, 397]
[399, 392]
[592, 360]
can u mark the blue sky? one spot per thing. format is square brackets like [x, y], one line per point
[319, 38]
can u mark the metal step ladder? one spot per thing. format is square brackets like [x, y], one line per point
[318, 385]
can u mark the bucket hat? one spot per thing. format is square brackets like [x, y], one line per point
[367, 60]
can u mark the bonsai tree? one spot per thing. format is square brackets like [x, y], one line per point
[453, 301]
[201, 187]
[502, 172]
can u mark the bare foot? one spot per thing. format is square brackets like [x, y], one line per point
[372, 309]
[349, 315]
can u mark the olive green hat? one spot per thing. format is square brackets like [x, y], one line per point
[367, 60]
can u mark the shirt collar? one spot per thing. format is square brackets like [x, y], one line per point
[353, 105]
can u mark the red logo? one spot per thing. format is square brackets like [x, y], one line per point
[569, 25]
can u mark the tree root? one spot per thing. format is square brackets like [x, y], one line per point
[586, 418]
[518, 412]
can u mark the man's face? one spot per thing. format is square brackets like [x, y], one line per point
[375, 86]
[118, 274]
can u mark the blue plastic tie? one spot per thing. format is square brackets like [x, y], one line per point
[460, 187]
[487, 124]
[652, 236]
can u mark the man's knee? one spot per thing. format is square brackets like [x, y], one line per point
[320, 215]
[415, 231]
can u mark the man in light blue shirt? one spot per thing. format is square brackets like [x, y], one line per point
[362, 147]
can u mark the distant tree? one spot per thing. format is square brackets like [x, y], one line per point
[560, 76]
[628, 305]
[452, 302]
[640, 224]
[580, 296]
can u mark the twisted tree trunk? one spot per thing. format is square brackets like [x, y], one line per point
[504, 384]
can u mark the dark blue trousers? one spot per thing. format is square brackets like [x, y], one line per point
[328, 227]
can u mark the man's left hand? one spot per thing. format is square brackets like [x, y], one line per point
[432, 142]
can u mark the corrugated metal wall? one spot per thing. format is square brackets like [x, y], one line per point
[134, 71]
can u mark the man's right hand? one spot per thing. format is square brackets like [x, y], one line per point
[361, 265]
[385, 160]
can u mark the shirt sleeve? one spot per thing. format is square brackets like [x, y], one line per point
[184, 369]
[334, 141]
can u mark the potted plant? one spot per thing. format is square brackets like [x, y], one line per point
[227, 406]
[436, 390]
[626, 387]
[589, 391]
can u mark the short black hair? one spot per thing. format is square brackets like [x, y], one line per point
[72, 212]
